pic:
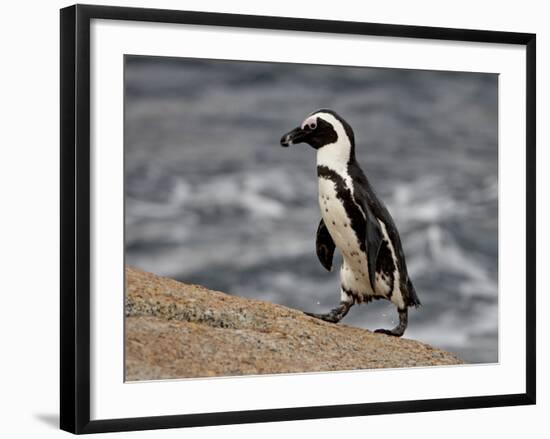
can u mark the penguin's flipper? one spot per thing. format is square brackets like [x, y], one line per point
[373, 243]
[325, 246]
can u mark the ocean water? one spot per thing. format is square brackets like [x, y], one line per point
[211, 197]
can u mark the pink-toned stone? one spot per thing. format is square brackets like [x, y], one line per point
[177, 330]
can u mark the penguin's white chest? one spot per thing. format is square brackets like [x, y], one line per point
[335, 215]
[354, 273]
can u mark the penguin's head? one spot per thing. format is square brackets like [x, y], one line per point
[320, 128]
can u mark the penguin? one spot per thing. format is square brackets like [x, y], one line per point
[355, 221]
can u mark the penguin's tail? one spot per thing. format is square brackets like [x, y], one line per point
[413, 297]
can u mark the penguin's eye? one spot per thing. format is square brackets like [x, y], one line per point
[309, 124]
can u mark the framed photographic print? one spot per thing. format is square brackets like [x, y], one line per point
[304, 218]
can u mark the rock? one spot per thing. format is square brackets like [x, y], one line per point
[177, 330]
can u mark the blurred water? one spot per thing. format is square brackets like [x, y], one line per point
[211, 197]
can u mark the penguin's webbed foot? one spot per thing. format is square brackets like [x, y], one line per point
[399, 330]
[393, 332]
[328, 317]
[335, 315]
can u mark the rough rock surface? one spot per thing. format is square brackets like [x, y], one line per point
[176, 330]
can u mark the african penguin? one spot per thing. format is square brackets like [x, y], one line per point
[355, 221]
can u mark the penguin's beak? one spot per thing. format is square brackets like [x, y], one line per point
[297, 135]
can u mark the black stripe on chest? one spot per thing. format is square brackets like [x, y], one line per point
[385, 266]
[343, 193]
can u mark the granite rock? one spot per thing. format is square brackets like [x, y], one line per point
[178, 330]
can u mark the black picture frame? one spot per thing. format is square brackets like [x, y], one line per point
[75, 217]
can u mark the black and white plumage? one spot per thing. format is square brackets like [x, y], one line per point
[355, 221]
